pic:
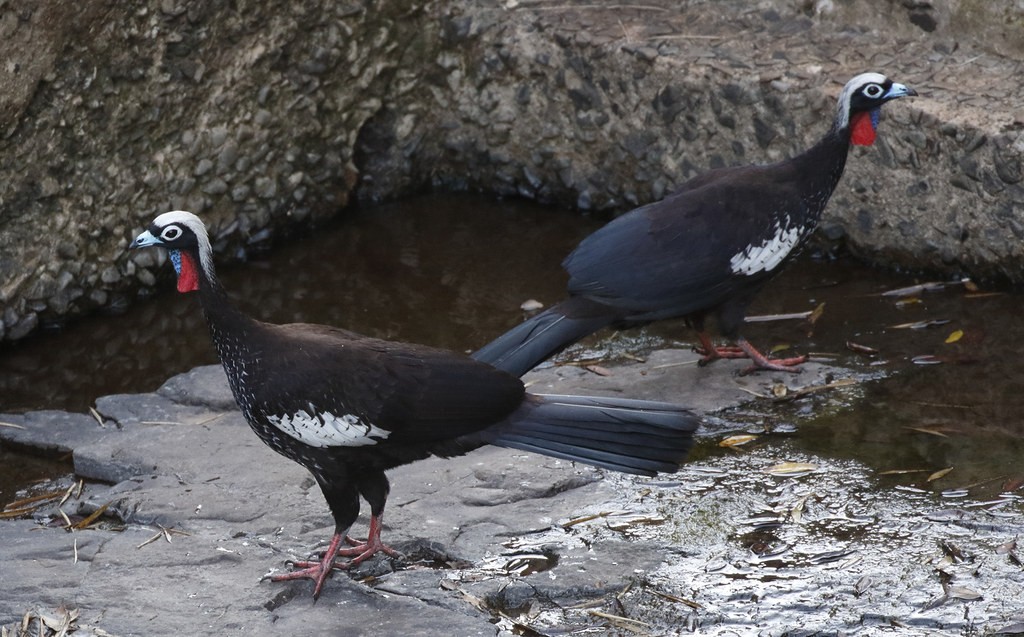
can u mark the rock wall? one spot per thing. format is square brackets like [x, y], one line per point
[259, 115]
[244, 112]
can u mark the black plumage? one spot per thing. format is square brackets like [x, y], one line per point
[349, 407]
[705, 250]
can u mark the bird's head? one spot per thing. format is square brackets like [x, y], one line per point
[860, 104]
[184, 236]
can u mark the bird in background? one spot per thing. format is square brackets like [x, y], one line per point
[348, 407]
[705, 250]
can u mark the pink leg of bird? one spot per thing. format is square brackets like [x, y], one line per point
[711, 353]
[361, 551]
[745, 350]
[316, 571]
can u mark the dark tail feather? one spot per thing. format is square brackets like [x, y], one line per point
[522, 348]
[632, 436]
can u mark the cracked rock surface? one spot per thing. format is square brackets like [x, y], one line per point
[183, 458]
[199, 510]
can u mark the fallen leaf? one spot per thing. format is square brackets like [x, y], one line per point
[796, 514]
[620, 622]
[920, 325]
[674, 598]
[911, 290]
[962, 592]
[926, 359]
[928, 430]
[597, 369]
[895, 472]
[797, 393]
[765, 318]
[814, 317]
[955, 336]
[861, 349]
[862, 585]
[939, 474]
[791, 469]
[92, 516]
[737, 440]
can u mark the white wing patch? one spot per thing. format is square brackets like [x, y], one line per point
[768, 255]
[328, 430]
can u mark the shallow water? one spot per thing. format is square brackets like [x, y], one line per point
[451, 271]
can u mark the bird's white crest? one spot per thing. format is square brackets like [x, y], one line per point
[196, 225]
[768, 255]
[843, 104]
[328, 430]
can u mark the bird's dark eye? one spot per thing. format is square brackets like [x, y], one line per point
[170, 233]
[874, 91]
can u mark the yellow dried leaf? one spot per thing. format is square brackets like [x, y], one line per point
[955, 336]
[787, 469]
[816, 314]
[735, 441]
[939, 474]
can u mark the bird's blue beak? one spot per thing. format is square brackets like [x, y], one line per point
[144, 240]
[899, 90]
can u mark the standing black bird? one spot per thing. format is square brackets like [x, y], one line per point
[706, 249]
[349, 407]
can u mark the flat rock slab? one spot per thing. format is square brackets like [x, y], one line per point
[199, 510]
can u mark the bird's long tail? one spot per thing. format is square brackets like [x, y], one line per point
[540, 337]
[632, 436]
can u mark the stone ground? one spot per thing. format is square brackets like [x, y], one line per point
[497, 542]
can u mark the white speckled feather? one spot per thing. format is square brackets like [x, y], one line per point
[327, 430]
[768, 255]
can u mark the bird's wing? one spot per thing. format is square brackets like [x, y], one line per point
[370, 389]
[679, 255]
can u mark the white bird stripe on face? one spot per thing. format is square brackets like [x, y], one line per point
[843, 106]
[768, 255]
[196, 225]
[328, 430]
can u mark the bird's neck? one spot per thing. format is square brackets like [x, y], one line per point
[822, 165]
[232, 332]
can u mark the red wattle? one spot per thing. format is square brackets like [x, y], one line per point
[188, 278]
[862, 129]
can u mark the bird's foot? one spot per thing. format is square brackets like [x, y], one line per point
[743, 349]
[760, 361]
[314, 570]
[714, 353]
[362, 551]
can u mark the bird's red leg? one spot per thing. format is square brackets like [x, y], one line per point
[744, 349]
[761, 362]
[362, 551]
[711, 353]
[316, 571]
